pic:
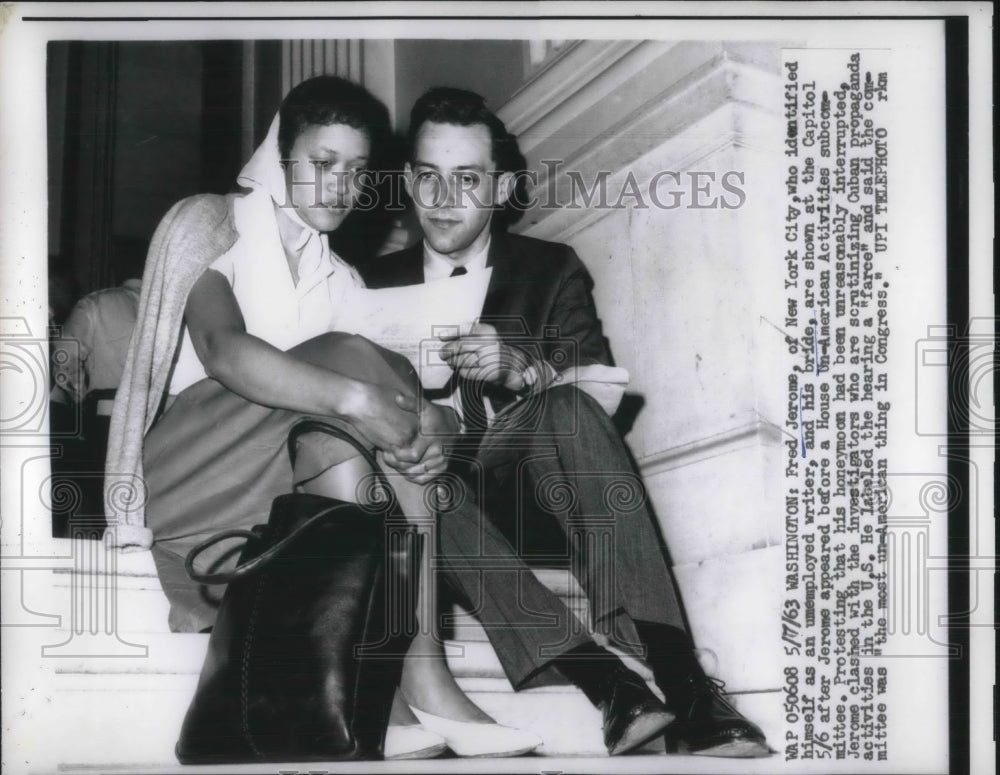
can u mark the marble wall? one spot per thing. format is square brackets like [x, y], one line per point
[685, 251]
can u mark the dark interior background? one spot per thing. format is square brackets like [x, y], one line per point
[135, 126]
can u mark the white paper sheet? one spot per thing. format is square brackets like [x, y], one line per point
[410, 319]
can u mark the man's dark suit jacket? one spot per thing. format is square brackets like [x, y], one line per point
[539, 292]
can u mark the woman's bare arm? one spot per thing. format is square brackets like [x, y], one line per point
[260, 372]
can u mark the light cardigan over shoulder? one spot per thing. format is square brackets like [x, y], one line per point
[190, 237]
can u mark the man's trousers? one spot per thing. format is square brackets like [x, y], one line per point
[558, 457]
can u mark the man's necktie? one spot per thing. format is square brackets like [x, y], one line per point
[471, 393]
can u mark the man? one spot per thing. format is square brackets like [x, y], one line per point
[538, 319]
[98, 331]
[87, 363]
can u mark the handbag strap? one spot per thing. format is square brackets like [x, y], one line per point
[257, 563]
[260, 561]
[303, 427]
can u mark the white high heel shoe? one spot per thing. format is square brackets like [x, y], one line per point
[479, 740]
[412, 741]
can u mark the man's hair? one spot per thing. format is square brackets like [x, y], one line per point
[448, 105]
[326, 100]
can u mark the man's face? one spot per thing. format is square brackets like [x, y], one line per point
[454, 186]
[327, 162]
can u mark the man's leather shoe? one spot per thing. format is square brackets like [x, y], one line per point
[632, 713]
[707, 725]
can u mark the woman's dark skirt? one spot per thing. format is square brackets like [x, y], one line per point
[214, 461]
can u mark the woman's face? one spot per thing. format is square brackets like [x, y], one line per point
[322, 176]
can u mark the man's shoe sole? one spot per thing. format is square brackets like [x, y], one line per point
[738, 748]
[642, 730]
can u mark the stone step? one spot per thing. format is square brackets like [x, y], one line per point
[184, 653]
[139, 716]
[142, 613]
[158, 653]
[175, 654]
[145, 688]
[132, 719]
[143, 608]
[138, 570]
[160, 685]
[649, 764]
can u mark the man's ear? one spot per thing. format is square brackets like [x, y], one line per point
[505, 187]
[408, 179]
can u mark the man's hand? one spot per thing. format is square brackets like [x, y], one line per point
[480, 355]
[424, 459]
[68, 371]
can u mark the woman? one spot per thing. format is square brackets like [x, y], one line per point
[238, 294]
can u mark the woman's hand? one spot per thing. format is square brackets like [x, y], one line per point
[258, 371]
[424, 459]
[386, 417]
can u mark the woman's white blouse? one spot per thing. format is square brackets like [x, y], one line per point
[274, 307]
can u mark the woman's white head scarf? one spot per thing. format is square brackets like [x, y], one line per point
[264, 174]
[256, 221]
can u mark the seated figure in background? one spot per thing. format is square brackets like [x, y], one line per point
[87, 358]
[90, 354]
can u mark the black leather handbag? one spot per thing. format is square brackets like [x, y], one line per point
[307, 649]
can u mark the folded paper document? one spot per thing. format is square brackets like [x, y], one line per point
[411, 318]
